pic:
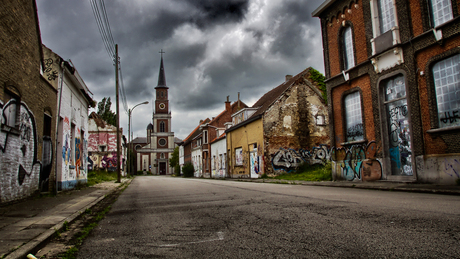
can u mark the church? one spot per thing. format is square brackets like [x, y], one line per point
[154, 156]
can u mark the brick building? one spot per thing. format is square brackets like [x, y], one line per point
[102, 145]
[27, 104]
[287, 126]
[154, 156]
[393, 78]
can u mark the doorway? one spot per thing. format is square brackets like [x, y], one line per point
[162, 168]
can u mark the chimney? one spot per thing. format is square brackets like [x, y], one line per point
[228, 106]
[288, 77]
[238, 100]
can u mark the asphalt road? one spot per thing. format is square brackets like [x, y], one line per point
[167, 217]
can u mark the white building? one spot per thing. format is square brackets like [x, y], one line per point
[72, 138]
[219, 157]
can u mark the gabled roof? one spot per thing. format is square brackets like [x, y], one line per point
[139, 140]
[242, 104]
[266, 101]
[224, 135]
[195, 131]
[270, 97]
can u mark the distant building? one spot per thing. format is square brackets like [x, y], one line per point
[102, 145]
[154, 157]
[393, 80]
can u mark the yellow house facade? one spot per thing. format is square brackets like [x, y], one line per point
[245, 147]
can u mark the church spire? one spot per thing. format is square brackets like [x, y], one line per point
[161, 76]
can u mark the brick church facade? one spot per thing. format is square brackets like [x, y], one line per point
[154, 156]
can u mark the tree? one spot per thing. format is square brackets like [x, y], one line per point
[103, 110]
[174, 161]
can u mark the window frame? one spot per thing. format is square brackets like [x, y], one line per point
[12, 96]
[432, 102]
[431, 14]
[355, 90]
[344, 47]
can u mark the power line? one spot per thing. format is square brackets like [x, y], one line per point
[104, 27]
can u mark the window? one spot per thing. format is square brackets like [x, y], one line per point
[353, 117]
[162, 126]
[162, 142]
[441, 11]
[446, 75]
[239, 156]
[12, 108]
[349, 59]
[387, 18]
[223, 160]
[205, 133]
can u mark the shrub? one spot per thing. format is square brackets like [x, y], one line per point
[177, 170]
[188, 170]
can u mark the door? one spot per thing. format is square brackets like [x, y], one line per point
[162, 168]
[399, 146]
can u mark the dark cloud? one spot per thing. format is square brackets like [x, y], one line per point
[211, 12]
[214, 49]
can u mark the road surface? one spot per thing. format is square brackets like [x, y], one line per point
[171, 217]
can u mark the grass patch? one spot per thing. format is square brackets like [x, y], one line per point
[71, 253]
[306, 172]
[95, 177]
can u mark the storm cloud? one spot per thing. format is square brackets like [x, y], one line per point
[214, 49]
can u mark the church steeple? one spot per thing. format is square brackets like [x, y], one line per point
[161, 90]
[161, 75]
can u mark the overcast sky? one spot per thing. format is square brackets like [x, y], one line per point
[213, 48]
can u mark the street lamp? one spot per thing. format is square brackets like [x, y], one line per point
[129, 133]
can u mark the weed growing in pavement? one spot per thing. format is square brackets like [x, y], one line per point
[70, 254]
[95, 177]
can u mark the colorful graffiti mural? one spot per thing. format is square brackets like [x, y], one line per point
[18, 161]
[96, 161]
[356, 162]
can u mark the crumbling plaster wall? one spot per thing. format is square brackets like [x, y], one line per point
[291, 123]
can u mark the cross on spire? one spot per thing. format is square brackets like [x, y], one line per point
[161, 52]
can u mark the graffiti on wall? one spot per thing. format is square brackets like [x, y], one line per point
[452, 167]
[289, 159]
[356, 162]
[50, 73]
[97, 161]
[19, 167]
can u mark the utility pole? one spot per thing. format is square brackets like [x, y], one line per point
[118, 116]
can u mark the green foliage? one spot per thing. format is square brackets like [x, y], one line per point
[177, 170]
[188, 170]
[306, 172]
[103, 110]
[319, 78]
[174, 160]
[95, 177]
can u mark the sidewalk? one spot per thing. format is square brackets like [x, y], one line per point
[27, 224]
[376, 185]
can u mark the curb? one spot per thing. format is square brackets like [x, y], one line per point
[30, 246]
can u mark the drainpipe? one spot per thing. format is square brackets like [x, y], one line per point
[58, 117]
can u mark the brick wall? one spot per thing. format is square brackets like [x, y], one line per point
[25, 160]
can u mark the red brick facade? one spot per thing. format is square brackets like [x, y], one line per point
[393, 73]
